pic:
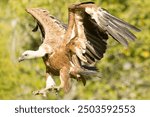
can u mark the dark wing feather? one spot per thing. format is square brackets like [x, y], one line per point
[113, 26]
[96, 39]
[91, 26]
[117, 20]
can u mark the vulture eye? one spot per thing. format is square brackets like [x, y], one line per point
[26, 55]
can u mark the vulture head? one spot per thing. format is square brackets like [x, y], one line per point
[30, 54]
[27, 55]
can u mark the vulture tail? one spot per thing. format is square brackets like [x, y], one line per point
[87, 74]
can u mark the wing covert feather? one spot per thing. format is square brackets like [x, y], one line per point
[91, 26]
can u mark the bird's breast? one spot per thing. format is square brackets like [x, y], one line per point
[56, 61]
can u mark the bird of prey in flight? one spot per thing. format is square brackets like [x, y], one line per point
[71, 51]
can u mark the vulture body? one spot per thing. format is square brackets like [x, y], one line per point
[71, 51]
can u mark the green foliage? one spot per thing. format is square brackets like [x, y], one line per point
[125, 71]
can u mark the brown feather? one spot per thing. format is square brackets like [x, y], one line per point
[73, 50]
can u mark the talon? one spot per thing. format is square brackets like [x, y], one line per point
[35, 92]
[42, 92]
[57, 89]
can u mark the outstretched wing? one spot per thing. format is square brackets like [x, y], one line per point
[51, 28]
[88, 30]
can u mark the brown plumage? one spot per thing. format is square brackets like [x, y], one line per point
[71, 51]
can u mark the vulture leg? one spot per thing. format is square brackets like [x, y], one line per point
[64, 80]
[49, 86]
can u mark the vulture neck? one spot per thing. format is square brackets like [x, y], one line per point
[38, 53]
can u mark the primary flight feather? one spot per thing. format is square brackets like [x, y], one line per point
[71, 51]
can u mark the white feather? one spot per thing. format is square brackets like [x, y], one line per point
[50, 82]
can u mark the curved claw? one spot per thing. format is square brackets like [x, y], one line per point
[42, 92]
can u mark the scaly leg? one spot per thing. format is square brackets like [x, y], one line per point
[49, 86]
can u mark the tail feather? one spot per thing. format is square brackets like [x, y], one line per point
[89, 75]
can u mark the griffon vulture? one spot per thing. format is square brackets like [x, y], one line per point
[71, 51]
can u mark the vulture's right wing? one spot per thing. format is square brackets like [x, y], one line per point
[88, 30]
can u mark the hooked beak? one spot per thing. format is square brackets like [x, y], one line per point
[20, 59]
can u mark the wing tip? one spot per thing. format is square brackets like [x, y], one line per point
[28, 10]
[132, 27]
[138, 30]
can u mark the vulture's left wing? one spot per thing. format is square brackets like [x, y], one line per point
[88, 30]
[51, 28]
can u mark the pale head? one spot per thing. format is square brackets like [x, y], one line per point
[41, 52]
[29, 54]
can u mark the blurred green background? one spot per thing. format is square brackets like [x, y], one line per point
[125, 72]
